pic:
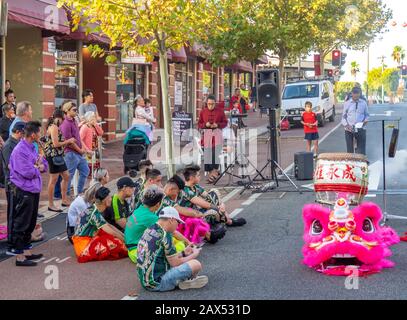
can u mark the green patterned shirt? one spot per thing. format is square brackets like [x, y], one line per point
[154, 248]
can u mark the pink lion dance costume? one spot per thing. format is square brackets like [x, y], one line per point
[194, 229]
[340, 241]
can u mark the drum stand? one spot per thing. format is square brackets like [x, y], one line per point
[387, 216]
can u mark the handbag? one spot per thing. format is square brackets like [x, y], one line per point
[58, 161]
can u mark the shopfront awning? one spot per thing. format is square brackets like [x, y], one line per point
[179, 55]
[263, 59]
[42, 14]
[244, 66]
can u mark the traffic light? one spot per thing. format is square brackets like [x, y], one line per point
[343, 58]
[404, 70]
[336, 58]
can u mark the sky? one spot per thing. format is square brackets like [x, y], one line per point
[381, 47]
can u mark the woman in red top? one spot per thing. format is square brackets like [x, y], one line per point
[212, 120]
[310, 122]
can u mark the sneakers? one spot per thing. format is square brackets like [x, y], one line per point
[195, 283]
[26, 263]
[13, 252]
[237, 222]
[217, 233]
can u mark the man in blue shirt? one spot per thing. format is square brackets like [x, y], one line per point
[354, 119]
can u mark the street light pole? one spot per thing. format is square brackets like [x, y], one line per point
[382, 59]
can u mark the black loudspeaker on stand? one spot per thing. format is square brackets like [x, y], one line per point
[268, 94]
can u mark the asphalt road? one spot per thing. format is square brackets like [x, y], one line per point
[261, 260]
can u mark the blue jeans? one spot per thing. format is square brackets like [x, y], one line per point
[57, 190]
[169, 281]
[75, 161]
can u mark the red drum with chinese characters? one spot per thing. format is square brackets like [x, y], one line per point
[341, 175]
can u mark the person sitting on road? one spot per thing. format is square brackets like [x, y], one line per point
[153, 178]
[144, 217]
[118, 213]
[94, 238]
[160, 268]
[195, 228]
[140, 179]
[195, 196]
[101, 176]
[78, 208]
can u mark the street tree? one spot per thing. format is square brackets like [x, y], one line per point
[150, 28]
[347, 23]
[354, 69]
[398, 55]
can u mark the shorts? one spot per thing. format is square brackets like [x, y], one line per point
[53, 169]
[169, 281]
[312, 136]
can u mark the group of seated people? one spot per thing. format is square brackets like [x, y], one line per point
[160, 228]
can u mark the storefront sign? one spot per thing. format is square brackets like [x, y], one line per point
[181, 122]
[133, 57]
[178, 93]
[67, 57]
[52, 45]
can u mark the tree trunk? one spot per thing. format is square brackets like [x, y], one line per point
[322, 63]
[168, 138]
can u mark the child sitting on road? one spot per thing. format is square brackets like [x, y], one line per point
[310, 122]
[195, 196]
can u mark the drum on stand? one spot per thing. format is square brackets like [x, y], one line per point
[341, 175]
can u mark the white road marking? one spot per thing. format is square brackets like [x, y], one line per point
[308, 186]
[235, 212]
[375, 173]
[251, 199]
[232, 194]
[129, 298]
[370, 196]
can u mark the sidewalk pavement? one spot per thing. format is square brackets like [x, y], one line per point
[113, 162]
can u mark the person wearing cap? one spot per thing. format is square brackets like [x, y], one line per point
[95, 239]
[160, 267]
[144, 217]
[74, 152]
[354, 120]
[118, 213]
[11, 143]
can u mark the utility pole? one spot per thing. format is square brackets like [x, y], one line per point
[367, 73]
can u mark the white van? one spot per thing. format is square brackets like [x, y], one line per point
[319, 92]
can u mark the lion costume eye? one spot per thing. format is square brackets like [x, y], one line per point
[316, 228]
[368, 226]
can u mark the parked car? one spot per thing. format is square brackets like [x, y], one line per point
[319, 92]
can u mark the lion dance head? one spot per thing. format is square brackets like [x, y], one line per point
[340, 241]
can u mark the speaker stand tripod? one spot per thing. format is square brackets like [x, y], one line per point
[271, 162]
[241, 161]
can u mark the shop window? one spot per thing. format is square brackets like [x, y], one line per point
[66, 73]
[129, 84]
[209, 81]
[184, 94]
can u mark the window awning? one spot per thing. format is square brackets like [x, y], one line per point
[263, 59]
[42, 14]
[244, 66]
[179, 55]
